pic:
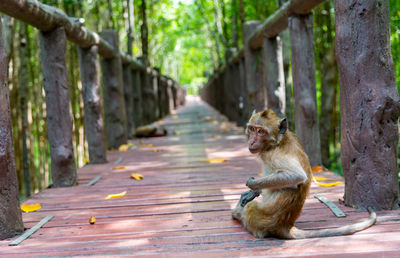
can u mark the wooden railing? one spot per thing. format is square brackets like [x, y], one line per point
[369, 101]
[133, 95]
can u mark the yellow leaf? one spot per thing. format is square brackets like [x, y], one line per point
[86, 160]
[137, 176]
[260, 174]
[92, 220]
[119, 167]
[217, 160]
[111, 196]
[156, 150]
[125, 147]
[327, 184]
[322, 178]
[30, 207]
[178, 132]
[217, 136]
[317, 169]
[146, 145]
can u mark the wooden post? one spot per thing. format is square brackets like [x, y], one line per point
[10, 213]
[58, 107]
[156, 91]
[128, 96]
[174, 94]
[160, 92]
[137, 98]
[149, 107]
[303, 70]
[244, 104]
[254, 73]
[369, 104]
[236, 105]
[94, 125]
[171, 95]
[273, 75]
[113, 94]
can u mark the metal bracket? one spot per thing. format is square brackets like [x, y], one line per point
[335, 209]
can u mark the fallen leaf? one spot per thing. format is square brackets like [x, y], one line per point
[137, 176]
[111, 196]
[260, 174]
[178, 132]
[146, 145]
[30, 207]
[341, 200]
[327, 184]
[86, 160]
[322, 178]
[118, 167]
[125, 147]
[217, 160]
[217, 136]
[155, 150]
[317, 169]
[92, 220]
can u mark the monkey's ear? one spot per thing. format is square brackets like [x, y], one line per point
[283, 125]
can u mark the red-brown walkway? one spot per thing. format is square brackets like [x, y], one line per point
[183, 205]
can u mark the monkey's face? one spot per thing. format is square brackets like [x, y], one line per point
[263, 131]
[259, 138]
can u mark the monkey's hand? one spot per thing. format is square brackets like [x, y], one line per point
[250, 182]
[248, 196]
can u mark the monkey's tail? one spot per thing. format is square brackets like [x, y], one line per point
[341, 231]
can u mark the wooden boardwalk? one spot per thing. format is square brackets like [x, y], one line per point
[182, 207]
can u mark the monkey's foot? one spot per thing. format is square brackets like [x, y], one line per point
[236, 213]
[248, 196]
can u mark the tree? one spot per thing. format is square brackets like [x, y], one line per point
[10, 213]
[369, 104]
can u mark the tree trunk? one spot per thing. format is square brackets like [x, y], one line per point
[273, 75]
[130, 25]
[113, 94]
[369, 104]
[10, 213]
[234, 24]
[94, 124]
[306, 117]
[110, 24]
[144, 33]
[58, 107]
[329, 81]
[23, 84]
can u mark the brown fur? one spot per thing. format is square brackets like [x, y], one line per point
[285, 184]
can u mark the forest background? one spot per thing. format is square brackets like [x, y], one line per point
[187, 39]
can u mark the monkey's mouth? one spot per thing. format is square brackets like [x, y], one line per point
[253, 150]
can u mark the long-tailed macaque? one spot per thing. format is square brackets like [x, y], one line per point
[284, 186]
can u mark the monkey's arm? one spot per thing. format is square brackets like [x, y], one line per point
[277, 180]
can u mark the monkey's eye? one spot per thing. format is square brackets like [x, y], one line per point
[261, 131]
[251, 129]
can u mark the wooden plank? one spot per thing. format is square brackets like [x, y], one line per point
[183, 207]
[31, 231]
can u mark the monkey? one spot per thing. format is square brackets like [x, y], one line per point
[284, 185]
[150, 131]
